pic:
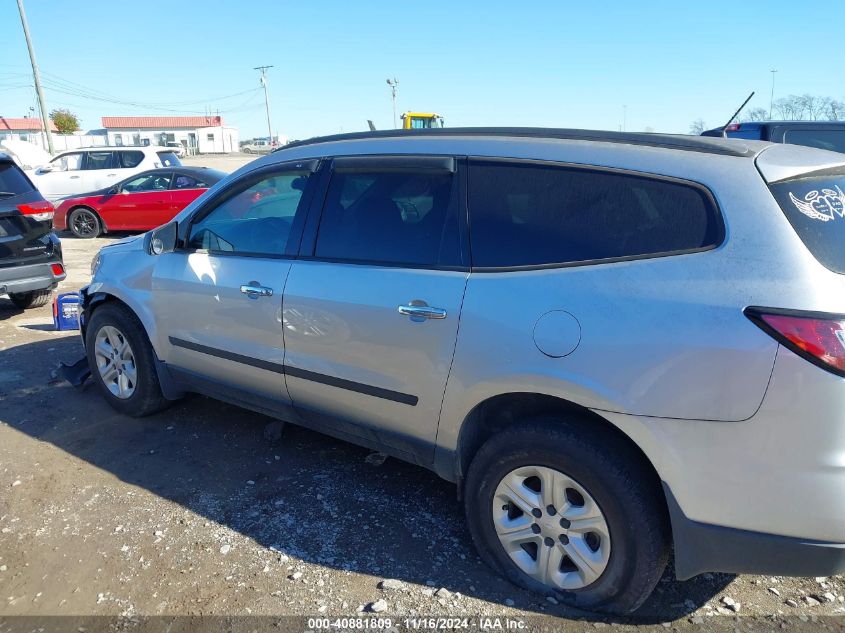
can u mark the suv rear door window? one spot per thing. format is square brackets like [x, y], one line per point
[524, 214]
[815, 207]
[100, 160]
[391, 214]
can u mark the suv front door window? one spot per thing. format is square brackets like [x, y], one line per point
[371, 315]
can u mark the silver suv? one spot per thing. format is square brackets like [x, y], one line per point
[614, 344]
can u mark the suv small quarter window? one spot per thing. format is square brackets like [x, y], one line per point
[129, 159]
[397, 211]
[533, 214]
[260, 216]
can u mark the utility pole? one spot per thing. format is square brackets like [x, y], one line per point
[45, 118]
[263, 71]
[772, 100]
[394, 84]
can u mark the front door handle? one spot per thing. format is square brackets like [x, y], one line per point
[254, 290]
[74, 177]
[422, 312]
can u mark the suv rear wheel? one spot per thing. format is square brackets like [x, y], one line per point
[568, 512]
[33, 299]
[121, 360]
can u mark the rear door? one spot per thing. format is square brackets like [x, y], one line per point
[184, 189]
[25, 218]
[371, 308]
[99, 171]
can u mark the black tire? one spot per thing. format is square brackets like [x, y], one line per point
[247, 150]
[33, 299]
[625, 489]
[147, 397]
[84, 223]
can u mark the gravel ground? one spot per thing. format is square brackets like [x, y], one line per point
[195, 511]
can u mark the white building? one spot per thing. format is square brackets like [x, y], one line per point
[29, 130]
[197, 134]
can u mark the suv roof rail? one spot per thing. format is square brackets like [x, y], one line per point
[668, 141]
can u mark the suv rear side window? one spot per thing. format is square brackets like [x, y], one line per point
[524, 214]
[129, 160]
[12, 181]
[815, 207]
[391, 216]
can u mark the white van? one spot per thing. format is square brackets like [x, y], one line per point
[83, 170]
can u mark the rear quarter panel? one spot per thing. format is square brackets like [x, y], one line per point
[661, 337]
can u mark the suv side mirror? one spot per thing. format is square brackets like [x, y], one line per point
[163, 239]
[45, 169]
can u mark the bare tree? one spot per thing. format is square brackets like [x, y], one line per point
[809, 108]
[835, 110]
[697, 127]
[755, 114]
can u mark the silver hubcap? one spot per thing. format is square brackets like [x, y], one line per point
[115, 362]
[551, 527]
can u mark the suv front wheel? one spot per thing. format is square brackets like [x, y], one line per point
[121, 361]
[569, 511]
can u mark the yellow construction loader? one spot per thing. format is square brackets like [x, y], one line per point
[421, 121]
[416, 121]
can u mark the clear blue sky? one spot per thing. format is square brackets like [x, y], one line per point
[561, 64]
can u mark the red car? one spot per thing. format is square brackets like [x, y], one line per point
[139, 203]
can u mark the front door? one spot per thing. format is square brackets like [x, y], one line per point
[218, 300]
[371, 316]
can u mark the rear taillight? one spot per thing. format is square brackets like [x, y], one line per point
[733, 127]
[58, 269]
[818, 337]
[40, 211]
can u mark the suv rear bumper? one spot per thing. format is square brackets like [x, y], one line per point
[700, 547]
[30, 277]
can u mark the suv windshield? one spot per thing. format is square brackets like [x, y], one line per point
[815, 206]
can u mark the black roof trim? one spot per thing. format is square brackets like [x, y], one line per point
[667, 141]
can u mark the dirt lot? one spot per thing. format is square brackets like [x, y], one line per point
[193, 511]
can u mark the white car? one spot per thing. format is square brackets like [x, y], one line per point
[83, 170]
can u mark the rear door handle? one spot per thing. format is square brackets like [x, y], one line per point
[254, 290]
[422, 312]
[74, 177]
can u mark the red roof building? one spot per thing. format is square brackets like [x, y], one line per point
[23, 125]
[160, 122]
